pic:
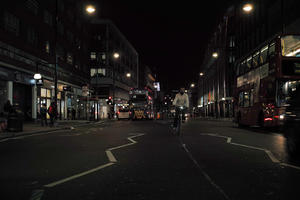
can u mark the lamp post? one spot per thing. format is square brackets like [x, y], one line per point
[202, 78]
[116, 56]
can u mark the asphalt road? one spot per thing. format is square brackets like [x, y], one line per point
[143, 160]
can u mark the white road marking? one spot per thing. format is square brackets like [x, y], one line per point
[204, 173]
[111, 158]
[289, 165]
[268, 152]
[37, 194]
[229, 140]
[272, 157]
[78, 175]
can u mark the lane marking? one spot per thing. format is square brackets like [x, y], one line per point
[204, 173]
[37, 194]
[268, 152]
[289, 165]
[273, 158]
[110, 156]
[78, 175]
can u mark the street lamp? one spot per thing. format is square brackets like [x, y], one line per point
[128, 75]
[37, 76]
[215, 55]
[248, 8]
[192, 85]
[201, 74]
[90, 9]
[116, 56]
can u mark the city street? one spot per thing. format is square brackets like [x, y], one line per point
[143, 160]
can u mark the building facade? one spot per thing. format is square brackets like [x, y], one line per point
[111, 76]
[237, 34]
[34, 36]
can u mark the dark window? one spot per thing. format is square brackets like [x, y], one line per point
[290, 67]
[60, 28]
[11, 23]
[33, 6]
[48, 18]
[31, 36]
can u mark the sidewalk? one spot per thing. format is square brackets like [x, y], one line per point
[30, 128]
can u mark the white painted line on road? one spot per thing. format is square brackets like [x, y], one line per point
[229, 140]
[204, 173]
[37, 194]
[110, 156]
[78, 175]
[272, 157]
[247, 146]
[268, 152]
[289, 165]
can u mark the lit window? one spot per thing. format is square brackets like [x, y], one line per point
[69, 58]
[93, 56]
[103, 56]
[47, 47]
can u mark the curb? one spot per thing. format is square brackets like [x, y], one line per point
[49, 131]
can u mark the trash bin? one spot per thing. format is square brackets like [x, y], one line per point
[15, 123]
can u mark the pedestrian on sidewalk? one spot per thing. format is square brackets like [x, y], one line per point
[52, 113]
[44, 115]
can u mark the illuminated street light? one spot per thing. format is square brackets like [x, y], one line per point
[128, 75]
[37, 76]
[90, 9]
[201, 74]
[116, 55]
[215, 55]
[192, 85]
[247, 8]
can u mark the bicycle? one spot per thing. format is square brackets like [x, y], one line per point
[179, 121]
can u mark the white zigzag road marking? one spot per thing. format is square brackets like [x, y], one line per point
[110, 156]
[268, 152]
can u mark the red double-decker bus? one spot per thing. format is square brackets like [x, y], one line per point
[265, 78]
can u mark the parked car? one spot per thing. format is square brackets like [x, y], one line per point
[123, 114]
[291, 124]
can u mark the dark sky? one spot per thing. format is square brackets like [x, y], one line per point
[168, 35]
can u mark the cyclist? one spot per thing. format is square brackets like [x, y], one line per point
[181, 100]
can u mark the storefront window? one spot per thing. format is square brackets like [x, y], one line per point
[43, 92]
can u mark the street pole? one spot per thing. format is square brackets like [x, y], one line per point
[203, 96]
[55, 54]
[114, 88]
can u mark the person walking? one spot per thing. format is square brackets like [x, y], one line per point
[52, 113]
[44, 115]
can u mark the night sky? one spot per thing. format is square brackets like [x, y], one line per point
[170, 36]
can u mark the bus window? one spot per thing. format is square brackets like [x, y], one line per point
[246, 99]
[241, 99]
[272, 50]
[256, 59]
[249, 63]
[263, 55]
[243, 67]
[290, 46]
